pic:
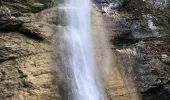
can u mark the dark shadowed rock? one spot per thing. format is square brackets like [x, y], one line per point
[143, 26]
[10, 24]
[6, 21]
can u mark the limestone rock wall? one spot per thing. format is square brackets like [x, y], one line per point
[27, 67]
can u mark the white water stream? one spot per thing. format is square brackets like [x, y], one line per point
[80, 68]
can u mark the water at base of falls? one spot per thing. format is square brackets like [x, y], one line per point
[77, 53]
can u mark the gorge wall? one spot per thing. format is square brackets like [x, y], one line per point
[27, 69]
[135, 50]
[140, 35]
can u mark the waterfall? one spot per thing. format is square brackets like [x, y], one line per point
[77, 54]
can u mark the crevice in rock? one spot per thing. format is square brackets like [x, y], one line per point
[32, 36]
[156, 93]
[3, 60]
[14, 58]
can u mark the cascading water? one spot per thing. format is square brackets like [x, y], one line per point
[77, 53]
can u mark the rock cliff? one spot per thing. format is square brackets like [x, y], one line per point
[27, 69]
[140, 35]
[137, 59]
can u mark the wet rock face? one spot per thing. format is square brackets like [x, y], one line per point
[27, 66]
[140, 32]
